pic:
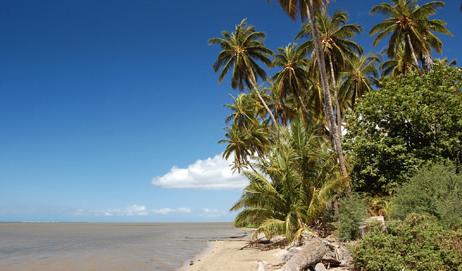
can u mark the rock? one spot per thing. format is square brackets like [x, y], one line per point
[290, 252]
[345, 257]
[319, 267]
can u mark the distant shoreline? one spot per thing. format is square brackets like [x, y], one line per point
[113, 222]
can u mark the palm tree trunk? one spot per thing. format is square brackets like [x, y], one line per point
[428, 62]
[254, 86]
[337, 105]
[412, 50]
[304, 110]
[325, 89]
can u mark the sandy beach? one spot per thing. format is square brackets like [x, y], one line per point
[229, 256]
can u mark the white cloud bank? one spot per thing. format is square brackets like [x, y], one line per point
[133, 210]
[166, 211]
[211, 173]
[212, 212]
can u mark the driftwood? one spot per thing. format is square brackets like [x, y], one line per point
[261, 266]
[266, 244]
[311, 253]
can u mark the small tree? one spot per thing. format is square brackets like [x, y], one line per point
[411, 120]
[436, 191]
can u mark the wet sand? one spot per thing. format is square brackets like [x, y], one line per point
[105, 247]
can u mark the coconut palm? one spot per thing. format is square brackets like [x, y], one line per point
[292, 79]
[244, 111]
[285, 107]
[307, 9]
[338, 47]
[247, 134]
[292, 187]
[410, 29]
[245, 143]
[336, 40]
[399, 64]
[240, 52]
[359, 79]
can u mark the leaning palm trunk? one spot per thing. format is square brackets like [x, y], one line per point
[328, 109]
[412, 50]
[337, 105]
[254, 86]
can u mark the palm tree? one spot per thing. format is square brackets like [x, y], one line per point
[336, 40]
[399, 64]
[245, 143]
[307, 9]
[292, 187]
[410, 29]
[359, 79]
[240, 52]
[247, 134]
[285, 106]
[292, 79]
[243, 111]
[338, 47]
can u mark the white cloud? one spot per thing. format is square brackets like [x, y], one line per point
[166, 211]
[132, 210]
[211, 173]
[212, 212]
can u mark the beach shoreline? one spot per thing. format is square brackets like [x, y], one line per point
[233, 255]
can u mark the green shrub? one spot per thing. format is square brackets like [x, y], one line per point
[351, 213]
[419, 243]
[436, 191]
[411, 120]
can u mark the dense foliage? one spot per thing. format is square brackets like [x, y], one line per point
[292, 188]
[436, 191]
[416, 244]
[351, 213]
[411, 120]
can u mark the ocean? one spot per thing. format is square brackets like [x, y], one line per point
[104, 247]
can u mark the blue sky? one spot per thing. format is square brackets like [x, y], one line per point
[100, 98]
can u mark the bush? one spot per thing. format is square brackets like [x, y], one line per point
[436, 191]
[411, 120]
[418, 243]
[351, 213]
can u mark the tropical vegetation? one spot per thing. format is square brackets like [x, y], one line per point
[292, 185]
[328, 134]
[417, 243]
[436, 191]
[412, 120]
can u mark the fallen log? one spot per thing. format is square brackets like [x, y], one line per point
[311, 253]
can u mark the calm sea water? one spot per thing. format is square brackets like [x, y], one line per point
[104, 247]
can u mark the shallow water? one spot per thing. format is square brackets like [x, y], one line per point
[104, 247]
